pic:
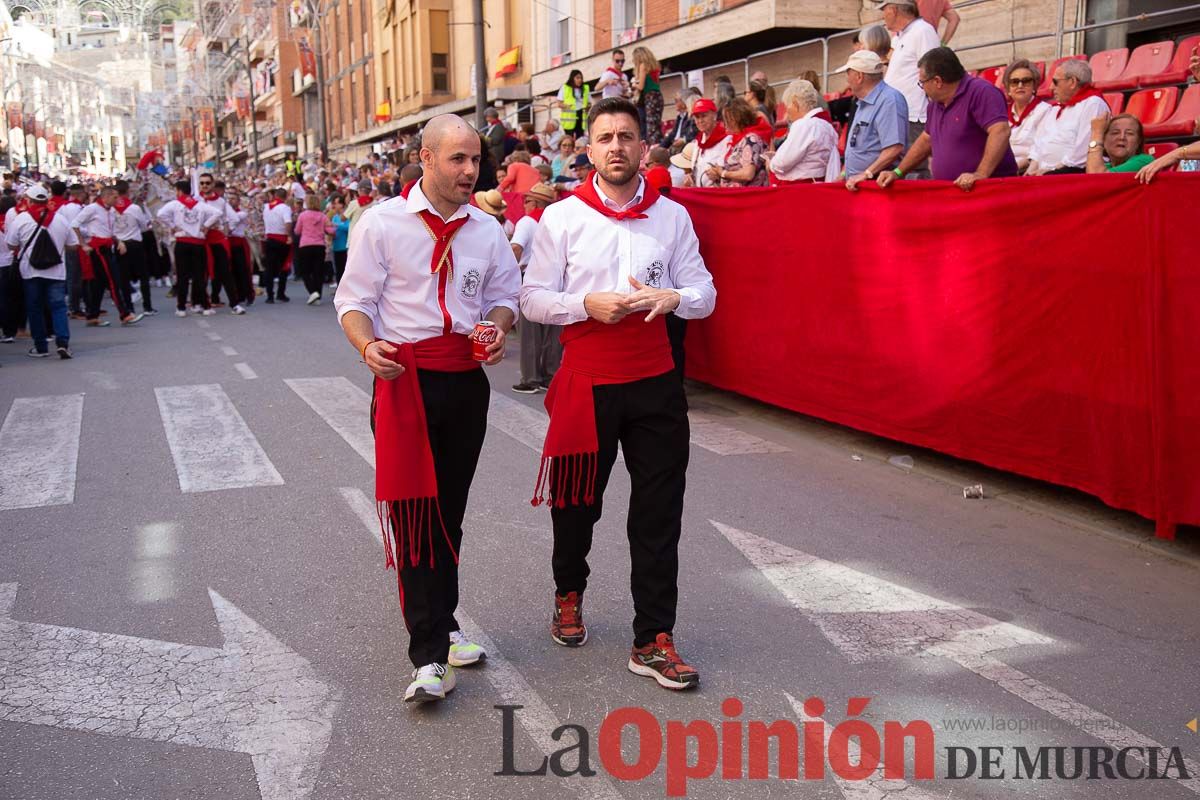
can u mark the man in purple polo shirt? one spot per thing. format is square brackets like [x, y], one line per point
[967, 129]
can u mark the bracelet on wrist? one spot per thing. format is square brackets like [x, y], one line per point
[899, 172]
[363, 352]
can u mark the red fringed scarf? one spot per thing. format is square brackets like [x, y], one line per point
[594, 354]
[1015, 119]
[365, 199]
[187, 200]
[706, 142]
[87, 267]
[122, 204]
[1085, 91]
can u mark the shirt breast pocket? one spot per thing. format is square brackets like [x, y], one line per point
[651, 266]
[469, 274]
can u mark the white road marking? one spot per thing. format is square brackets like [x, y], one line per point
[871, 619]
[876, 787]
[253, 695]
[526, 425]
[153, 571]
[245, 370]
[212, 446]
[227, 350]
[344, 407]
[724, 440]
[39, 446]
[203, 323]
[214, 337]
[536, 717]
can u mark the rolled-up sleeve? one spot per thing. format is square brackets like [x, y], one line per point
[502, 286]
[366, 270]
[542, 297]
[697, 294]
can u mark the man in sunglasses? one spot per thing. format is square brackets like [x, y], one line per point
[613, 82]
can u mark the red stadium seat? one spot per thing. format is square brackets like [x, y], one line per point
[1183, 121]
[1177, 71]
[1047, 87]
[1115, 100]
[1160, 149]
[1153, 106]
[992, 74]
[1107, 65]
[1149, 59]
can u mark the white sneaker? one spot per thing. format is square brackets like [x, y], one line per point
[179, 312]
[464, 652]
[136, 297]
[314, 298]
[430, 682]
[208, 312]
[238, 309]
[196, 309]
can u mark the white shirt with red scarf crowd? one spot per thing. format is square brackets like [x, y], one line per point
[389, 275]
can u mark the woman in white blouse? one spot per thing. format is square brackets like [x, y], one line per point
[1026, 110]
[809, 154]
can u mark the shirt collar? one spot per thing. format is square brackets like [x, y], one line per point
[418, 202]
[962, 88]
[812, 112]
[873, 94]
[904, 30]
[637, 198]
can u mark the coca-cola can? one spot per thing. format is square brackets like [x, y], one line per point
[485, 335]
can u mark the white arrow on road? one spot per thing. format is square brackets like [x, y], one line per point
[868, 618]
[254, 695]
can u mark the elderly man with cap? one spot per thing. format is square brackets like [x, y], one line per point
[45, 284]
[423, 270]
[712, 142]
[540, 349]
[912, 37]
[879, 131]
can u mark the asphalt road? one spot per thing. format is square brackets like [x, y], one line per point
[200, 610]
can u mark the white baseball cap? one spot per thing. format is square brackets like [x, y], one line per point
[864, 61]
[37, 193]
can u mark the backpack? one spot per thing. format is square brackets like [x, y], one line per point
[45, 254]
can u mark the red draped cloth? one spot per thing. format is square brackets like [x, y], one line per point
[1045, 326]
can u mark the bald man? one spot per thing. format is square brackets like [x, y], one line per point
[422, 270]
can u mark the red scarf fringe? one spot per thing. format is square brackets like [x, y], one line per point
[707, 142]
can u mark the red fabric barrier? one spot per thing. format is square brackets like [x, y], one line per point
[1047, 326]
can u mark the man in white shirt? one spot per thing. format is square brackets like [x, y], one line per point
[241, 261]
[68, 206]
[213, 195]
[912, 37]
[540, 349]
[45, 289]
[1061, 144]
[189, 222]
[129, 221]
[423, 269]
[95, 228]
[613, 82]
[602, 259]
[277, 246]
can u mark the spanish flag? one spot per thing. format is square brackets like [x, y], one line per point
[383, 112]
[508, 62]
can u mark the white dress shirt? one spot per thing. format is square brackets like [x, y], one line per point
[69, 211]
[810, 151]
[390, 279]
[523, 236]
[917, 39]
[237, 222]
[1062, 139]
[185, 222]
[712, 157]
[129, 224]
[276, 220]
[224, 215]
[577, 250]
[20, 231]
[96, 221]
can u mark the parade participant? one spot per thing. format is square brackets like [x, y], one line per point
[540, 348]
[212, 193]
[240, 258]
[95, 228]
[609, 263]
[128, 223]
[189, 222]
[69, 210]
[45, 287]
[277, 244]
[423, 270]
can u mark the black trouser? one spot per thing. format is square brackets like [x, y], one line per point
[310, 261]
[222, 276]
[74, 281]
[191, 267]
[676, 333]
[275, 254]
[106, 276]
[12, 300]
[339, 265]
[135, 268]
[649, 419]
[157, 262]
[456, 407]
[241, 272]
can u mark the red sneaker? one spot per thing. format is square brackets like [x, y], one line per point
[660, 661]
[566, 626]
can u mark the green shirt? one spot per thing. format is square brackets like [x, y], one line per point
[1133, 164]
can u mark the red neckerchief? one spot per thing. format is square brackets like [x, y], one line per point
[56, 203]
[76, 202]
[760, 127]
[275, 201]
[187, 200]
[823, 114]
[587, 193]
[442, 233]
[122, 204]
[22, 205]
[1085, 91]
[365, 199]
[706, 142]
[1015, 119]
[536, 214]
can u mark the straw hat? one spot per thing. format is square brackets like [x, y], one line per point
[543, 191]
[686, 157]
[491, 202]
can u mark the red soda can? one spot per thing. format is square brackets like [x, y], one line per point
[485, 335]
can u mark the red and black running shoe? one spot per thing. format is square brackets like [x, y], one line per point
[659, 660]
[566, 627]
